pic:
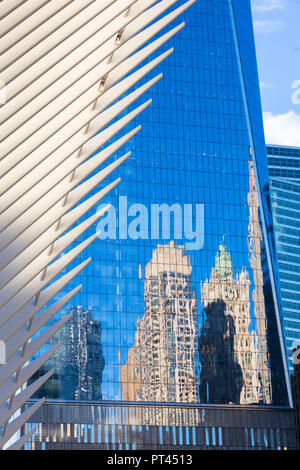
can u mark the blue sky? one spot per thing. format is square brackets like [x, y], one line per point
[277, 33]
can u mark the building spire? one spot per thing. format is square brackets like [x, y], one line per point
[223, 263]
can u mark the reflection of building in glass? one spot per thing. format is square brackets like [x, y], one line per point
[161, 366]
[80, 362]
[235, 367]
[255, 254]
[228, 352]
[284, 170]
[130, 377]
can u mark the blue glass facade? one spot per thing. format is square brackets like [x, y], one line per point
[188, 306]
[284, 169]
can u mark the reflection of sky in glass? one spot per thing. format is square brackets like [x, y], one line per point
[193, 149]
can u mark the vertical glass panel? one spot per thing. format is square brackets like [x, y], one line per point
[178, 304]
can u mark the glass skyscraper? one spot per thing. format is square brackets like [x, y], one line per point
[184, 281]
[284, 170]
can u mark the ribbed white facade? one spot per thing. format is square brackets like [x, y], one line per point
[64, 67]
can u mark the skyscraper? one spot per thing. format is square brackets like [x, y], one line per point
[198, 172]
[284, 169]
[79, 363]
[228, 350]
[164, 351]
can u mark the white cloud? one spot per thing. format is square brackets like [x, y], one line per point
[267, 26]
[265, 84]
[282, 129]
[268, 5]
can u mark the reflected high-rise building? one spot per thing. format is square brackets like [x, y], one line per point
[161, 365]
[255, 240]
[228, 351]
[130, 376]
[79, 363]
[284, 170]
[233, 343]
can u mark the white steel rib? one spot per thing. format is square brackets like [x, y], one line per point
[65, 68]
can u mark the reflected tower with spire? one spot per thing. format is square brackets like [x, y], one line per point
[227, 349]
